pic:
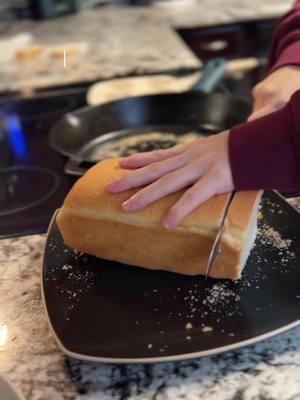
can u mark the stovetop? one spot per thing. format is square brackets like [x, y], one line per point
[32, 179]
[33, 182]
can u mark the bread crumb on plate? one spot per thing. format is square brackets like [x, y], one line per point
[206, 329]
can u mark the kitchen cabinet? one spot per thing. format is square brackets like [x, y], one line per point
[230, 41]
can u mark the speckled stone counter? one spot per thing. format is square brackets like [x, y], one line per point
[124, 41]
[200, 13]
[30, 358]
[120, 42]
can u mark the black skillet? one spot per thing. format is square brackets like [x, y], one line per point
[78, 134]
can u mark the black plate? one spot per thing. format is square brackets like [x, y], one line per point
[104, 311]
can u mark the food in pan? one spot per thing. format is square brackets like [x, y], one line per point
[91, 220]
[139, 142]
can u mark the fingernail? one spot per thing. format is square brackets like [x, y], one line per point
[123, 161]
[167, 224]
[111, 186]
[127, 206]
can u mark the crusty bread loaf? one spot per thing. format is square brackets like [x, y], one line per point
[91, 220]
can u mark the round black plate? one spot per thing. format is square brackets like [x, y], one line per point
[104, 311]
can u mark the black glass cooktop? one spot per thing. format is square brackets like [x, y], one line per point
[32, 179]
[33, 182]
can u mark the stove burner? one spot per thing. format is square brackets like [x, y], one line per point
[23, 187]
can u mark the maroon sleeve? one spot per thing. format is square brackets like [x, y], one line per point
[265, 153]
[285, 49]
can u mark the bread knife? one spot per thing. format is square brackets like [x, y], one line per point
[216, 245]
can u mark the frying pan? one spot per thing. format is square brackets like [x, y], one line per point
[79, 134]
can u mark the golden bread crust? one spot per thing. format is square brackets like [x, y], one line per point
[91, 220]
[89, 198]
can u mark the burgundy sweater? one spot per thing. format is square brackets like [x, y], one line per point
[265, 153]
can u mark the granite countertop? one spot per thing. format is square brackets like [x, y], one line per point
[123, 41]
[200, 13]
[119, 42]
[29, 356]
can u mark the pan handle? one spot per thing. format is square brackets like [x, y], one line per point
[212, 73]
[77, 167]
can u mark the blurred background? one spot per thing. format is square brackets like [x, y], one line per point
[116, 38]
[57, 56]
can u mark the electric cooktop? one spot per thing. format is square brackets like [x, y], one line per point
[33, 182]
[32, 179]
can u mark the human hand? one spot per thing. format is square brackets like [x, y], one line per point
[202, 167]
[275, 91]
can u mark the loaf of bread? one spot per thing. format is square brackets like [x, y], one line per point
[91, 220]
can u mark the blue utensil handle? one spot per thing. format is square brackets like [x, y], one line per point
[212, 73]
